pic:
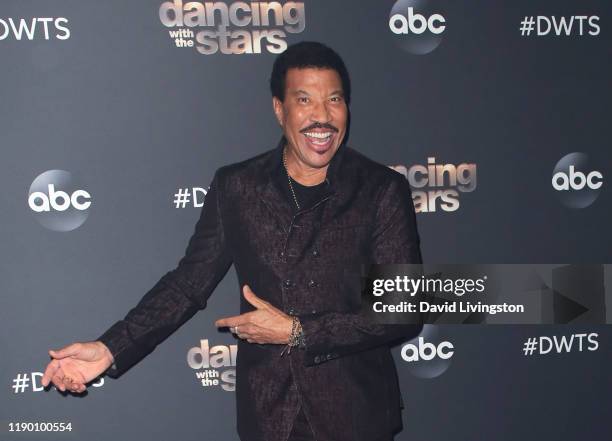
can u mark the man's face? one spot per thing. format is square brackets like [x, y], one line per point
[313, 114]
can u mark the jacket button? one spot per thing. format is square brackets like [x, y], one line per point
[315, 253]
[281, 254]
[314, 311]
[291, 311]
[312, 284]
[329, 356]
[317, 359]
[287, 283]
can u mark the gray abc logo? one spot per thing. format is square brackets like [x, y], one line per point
[428, 355]
[59, 202]
[417, 27]
[577, 185]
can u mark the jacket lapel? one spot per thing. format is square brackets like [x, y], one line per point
[269, 193]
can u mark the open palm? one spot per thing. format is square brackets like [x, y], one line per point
[76, 365]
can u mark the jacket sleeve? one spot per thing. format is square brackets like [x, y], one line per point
[178, 295]
[394, 240]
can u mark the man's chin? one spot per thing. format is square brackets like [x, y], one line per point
[321, 159]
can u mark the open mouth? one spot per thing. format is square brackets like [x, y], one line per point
[319, 141]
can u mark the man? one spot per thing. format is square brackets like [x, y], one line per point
[297, 222]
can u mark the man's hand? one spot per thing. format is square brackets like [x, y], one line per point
[77, 364]
[267, 324]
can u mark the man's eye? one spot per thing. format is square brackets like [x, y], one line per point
[303, 99]
[336, 99]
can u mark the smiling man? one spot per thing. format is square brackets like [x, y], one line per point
[297, 222]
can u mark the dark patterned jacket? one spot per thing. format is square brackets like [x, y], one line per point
[307, 264]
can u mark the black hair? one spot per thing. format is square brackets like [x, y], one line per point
[303, 55]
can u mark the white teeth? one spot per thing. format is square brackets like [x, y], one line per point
[318, 135]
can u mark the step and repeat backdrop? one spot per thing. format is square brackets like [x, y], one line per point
[114, 116]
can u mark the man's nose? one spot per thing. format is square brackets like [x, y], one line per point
[321, 113]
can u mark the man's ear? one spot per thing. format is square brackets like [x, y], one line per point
[277, 105]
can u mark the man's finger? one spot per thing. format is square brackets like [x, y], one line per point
[57, 377]
[70, 381]
[245, 331]
[233, 321]
[252, 298]
[66, 351]
[57, 381]
[52, 368]
[76, 388]
[228, 321]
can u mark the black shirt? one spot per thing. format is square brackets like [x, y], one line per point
[306, 195]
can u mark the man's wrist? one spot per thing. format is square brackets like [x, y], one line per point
[107, 351]
[296, 336]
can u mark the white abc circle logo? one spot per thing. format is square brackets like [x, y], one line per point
[577, 180]
[416, 23]
[416, 27]
[427, 351]
[576, 184]
[58, 200]
[428, 355]
[59, 203]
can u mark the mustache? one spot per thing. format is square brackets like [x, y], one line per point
[318, 125]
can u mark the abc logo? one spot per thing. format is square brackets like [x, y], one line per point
[417, 23]
[429, 355]
[576, 184]
[58, 202]
[416, 27]
[577, 180]
[427, 351]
